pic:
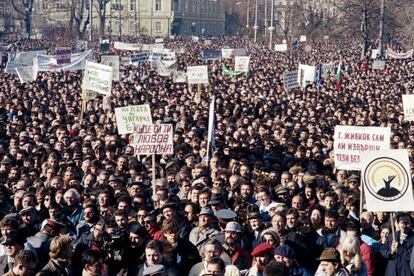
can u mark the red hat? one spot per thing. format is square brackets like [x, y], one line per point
[261, 249]
[55, 224]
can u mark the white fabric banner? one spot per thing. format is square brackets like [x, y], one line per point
[378, 65]
[306, 74]
[197, 74]
[27, 73]
[403, 55]
[166, 68]
[153, 139]
[228, 53]
[180, 77]
[98, 77]
[281, 47]
[352, 142]
[290, 80]
[408, 106]
[112, 61]
[47, 63]
[241, 64]
[127, 46]
[128, 116]
[387, 181]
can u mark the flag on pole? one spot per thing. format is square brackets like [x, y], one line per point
[338, 75]
[211, 127]
[319, 79]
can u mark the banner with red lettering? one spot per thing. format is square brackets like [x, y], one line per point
[351, 142]
[153, 139]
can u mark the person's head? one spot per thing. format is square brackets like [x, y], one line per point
[331, 220]
[212, 248]
[232, 233]
[171, 230]
[330, 261]
[205, 217]
[137, 235]
[270, 237]
[292, 218]
[61, 248]
[72, 198]
[25, 263]
[367, 218]
[330, 199]
[276, 268]
[263, 254]
[13, 244]
[285, 254]
[121, 219]
[169, 211]
[216, 267]
[350, 252]
[255, 221]
[8, 225]
[404, 223]
[352, 229]
[153, 252]
[92, 261]
[279, 222]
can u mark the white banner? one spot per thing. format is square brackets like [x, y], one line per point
[403, 55]
[26, 74]
[290, 80]
[228, 53]
[26, 58]
[328, 70]
[112, 61]
[180, 77]
[408, 106]
[378, 65]
[153, 139]
[166, 68]
[159, 40]
[63, 55]
[281, 47]
[161, 54]
[302, 38]
[47, 63]
[12, 66]
[241, 64]
[306, 74]
[195, 38]
[128, 116]
[387, 181]
[351, 142]
[127, 46]
[197, 74]
[98, 77]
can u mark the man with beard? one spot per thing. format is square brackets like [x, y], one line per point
[233, 252]
[184, 252]
[212, 249]
[200, 234]
[263, 254]
[135, 252]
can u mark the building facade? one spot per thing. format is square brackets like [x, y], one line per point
[157, 18]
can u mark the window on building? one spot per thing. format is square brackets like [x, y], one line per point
[44, 5]
[132, 5]
[158, 26]
[158, 5]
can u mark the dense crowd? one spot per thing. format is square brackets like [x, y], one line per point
[75, 200]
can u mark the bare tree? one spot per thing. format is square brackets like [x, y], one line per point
[101, 10]
[25, 9]
[77, 11]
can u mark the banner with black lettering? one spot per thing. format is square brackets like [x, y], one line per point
[290, 80]
[128, 116]
[153, 139]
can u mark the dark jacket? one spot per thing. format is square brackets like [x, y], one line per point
[399, 262]
[185, 255]
[55, 268]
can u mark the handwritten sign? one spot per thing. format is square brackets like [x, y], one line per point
[153, 139]
[128, 116]
[197, 74]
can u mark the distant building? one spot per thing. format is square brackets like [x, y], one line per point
[130, 17]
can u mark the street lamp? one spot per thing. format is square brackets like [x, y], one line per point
[255, 24]
[271, 28]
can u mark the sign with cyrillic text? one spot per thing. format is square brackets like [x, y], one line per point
[290, 80]
[241, 64]
[408, 106]
[128, 116]
[281, 47]
[351, 142]
[98, 77]
[197, 74]
[153, 139]
[378, 65]
[63, 55]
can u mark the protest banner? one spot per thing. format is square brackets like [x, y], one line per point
[98, 78]
[211, 54]
[228, 53]
[290, 80]
[302, 38]
[351, 142]
[280, 47]
[159, 40]
[46, 63]
[197, 74]
[161, 54]
[63, 55]
[153, 139]
[195, 38]
[229, 72]
[403, 55]
[408, 106]
[306, 74]
[128, 116]
[375, 53]
[166, 68]
[139, 58]
[326, 37]
[387, 181]
[88, 95]
[112, 61]
[295, 44]
[241, 64]
[378, 65]
[26, 74]
[207, 42]
[104, 45]
[180, 76]
[328, 70]
[26, 58]
[127, 46]
[12, 66]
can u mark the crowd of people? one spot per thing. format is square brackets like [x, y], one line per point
[75, 200]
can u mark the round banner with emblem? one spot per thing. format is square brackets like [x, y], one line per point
[386, 179]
